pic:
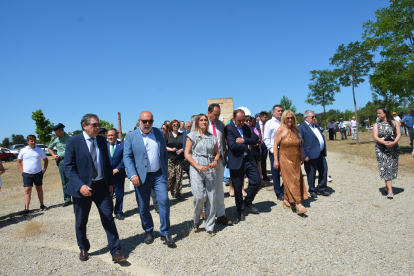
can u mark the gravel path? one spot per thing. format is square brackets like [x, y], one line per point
[355, 230]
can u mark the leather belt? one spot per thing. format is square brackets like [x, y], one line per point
[96, 181]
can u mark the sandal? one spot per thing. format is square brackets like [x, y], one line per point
[286, 205]
[300, 209]
[211, 233]
[390, 196]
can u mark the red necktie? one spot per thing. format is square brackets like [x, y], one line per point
[263, 130]
[214, 130]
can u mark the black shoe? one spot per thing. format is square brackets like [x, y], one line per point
[241, 216]
[281, 198]
[67, 203]
[266, 178]
[25, 212]
[168, 240]
[252, 209]
[313, 194]
[324, 193]
[43, 207]
[149, 238]
[120, 217]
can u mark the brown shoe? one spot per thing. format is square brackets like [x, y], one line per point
[118, 257]
[83, 256]
[203, 215]
[223, 220]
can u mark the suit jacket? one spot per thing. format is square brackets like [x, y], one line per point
[312, 147]
[220, 136]
[236, 150]
[135, 154]
[117, 161]
[78, 163]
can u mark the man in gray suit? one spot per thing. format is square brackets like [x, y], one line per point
[216, 127]
[146, 159]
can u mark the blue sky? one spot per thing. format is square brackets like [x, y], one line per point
[70, 58]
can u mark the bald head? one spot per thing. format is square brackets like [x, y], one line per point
[145, 121]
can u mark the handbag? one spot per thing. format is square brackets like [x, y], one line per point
[301, 141]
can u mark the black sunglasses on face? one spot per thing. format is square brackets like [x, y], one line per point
[95, 125]
[147, 122]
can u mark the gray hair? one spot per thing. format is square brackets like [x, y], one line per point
[188, 122]
[307, 112]
[193, 118]
[114, 129]
[87, 119]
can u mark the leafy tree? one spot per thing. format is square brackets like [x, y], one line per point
[105, 124]
[354, 61]
[287, 104]
[323, 87]
[393, 34]
[299, 118]
[369, 112]
[348, 114]
[6, 142]
[76, 132]
[43, 126]
[18, 139]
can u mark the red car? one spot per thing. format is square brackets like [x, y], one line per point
[7, 156]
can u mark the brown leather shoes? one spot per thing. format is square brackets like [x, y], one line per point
[203, 215]
[118, 257]
[83, 256]
[224, 220]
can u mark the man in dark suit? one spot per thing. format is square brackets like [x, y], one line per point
[314, 154]
[116, 155]
[89, 170]
[241, 162]
[146, 162]
[260, 124]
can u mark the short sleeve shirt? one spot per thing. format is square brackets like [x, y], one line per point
[408, 120]
[60, 144]
[31, 159]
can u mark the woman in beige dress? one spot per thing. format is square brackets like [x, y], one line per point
[289, 160]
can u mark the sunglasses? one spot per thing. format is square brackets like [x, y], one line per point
[248, 120]
[290, 118]
[176, 125]
[95, 125]
[313, 117]
[147, 122]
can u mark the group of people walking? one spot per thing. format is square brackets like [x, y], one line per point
[154, 160]
[346, 128]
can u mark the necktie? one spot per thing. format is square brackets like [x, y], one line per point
[215, 134]
[94, 161]
[112, 150]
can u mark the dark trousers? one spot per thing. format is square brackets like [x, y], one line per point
[264, 161]
[237, 177]
[158, 182]
[119, 184]
[276, 177]
[319, 164]
[331, 133]
[82, 207]
[65, 181]
[343, 133]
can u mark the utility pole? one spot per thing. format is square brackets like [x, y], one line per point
[119, 125]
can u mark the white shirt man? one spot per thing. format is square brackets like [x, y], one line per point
[354, 128]
[271, 127]
[318, 135]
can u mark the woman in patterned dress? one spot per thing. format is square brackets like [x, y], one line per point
[387, 133]
[202, 152]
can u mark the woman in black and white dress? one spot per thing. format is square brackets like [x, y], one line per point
[387, 133]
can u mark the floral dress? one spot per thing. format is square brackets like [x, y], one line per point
[387, 157]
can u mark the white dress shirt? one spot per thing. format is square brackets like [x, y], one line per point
[151, 145]
[271, 127]
[98, 160]
[353, 123]
[318, 135]
[210, 129]
[261, 129]
[342, 124]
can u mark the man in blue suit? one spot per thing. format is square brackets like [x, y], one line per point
[241, 162]
[314, 154]
[146, 162]
[116, 155]
[89, 171]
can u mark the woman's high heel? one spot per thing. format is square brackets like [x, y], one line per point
[286, 205]
[300, 209]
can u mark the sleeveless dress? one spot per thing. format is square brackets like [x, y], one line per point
[289, 160]
[387, 157]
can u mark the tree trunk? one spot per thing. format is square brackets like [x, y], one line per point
[324, 119]
[356, 112]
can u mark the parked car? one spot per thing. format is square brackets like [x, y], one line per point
[5, 150]
[16, 148]
[45, 148]
[7, 156]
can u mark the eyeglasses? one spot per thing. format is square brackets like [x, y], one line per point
[95, 125]
[292, 118]
[147, 121]
[248, 120]
[176, 125]
[313, 117]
